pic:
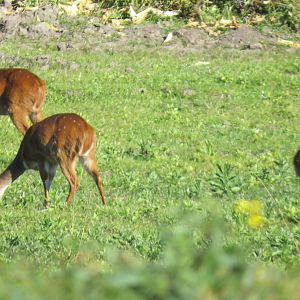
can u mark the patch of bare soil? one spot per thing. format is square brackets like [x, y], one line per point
[148, 33]
[188, 40]
[155, 36]
[44, 24]
[195, 36]
[145, 35]
[31, 23]
[245, 37]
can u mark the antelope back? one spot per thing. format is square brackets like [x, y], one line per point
[20, 87]
[65, 133]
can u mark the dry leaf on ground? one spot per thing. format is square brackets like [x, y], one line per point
[138, 18]
[86, 5]
[70, 10]
[107, 15]
[73, 8]
[257, 19]
[119, 23]
[289, 43]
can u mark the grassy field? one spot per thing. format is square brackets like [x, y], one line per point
[184, 141]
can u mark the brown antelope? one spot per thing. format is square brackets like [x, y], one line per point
[22, 95]
[58, 140]
[297, 163]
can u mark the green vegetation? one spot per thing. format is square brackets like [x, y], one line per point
[182, 139]
[275, 13]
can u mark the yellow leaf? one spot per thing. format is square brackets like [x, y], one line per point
[107, 15]
[138, 18]
[234, 23]
[224, 22]
[118, 23]
[257, 19]
[289, 43]
[70, 10]
[85, 5]
[193, 23]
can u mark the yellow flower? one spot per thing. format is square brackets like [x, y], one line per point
[254, 210]
[253, 207]
[242, 206]
[256, 221]
[256, 207]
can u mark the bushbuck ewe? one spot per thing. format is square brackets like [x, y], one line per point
[58, 140]
[22, 95]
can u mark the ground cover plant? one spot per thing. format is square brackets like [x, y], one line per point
[196, 153]
[275, 13]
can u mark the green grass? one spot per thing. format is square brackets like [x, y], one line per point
[161, 150]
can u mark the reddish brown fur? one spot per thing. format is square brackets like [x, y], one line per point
[58, 140]
[22, 95]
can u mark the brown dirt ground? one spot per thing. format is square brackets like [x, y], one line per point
[44, 24]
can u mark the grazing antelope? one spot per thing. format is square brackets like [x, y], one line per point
[297, 163]
[22, 95]
[57, 140]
